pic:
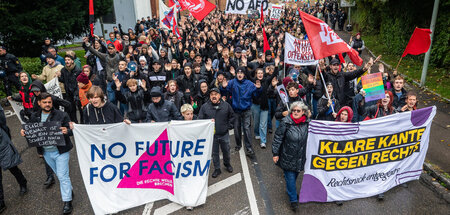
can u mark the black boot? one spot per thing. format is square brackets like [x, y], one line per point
[67, 209]
[49, 182]
[216, 173]
[229, 168]
[23, 189]
[294, 206]
[2, 206]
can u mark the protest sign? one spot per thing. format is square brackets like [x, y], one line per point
[276, 12]
[124, 166]
[44, 134]
[241, 6]
[283, 94]
[298, 52]
[17, 107]
[54, 88]
[346, 161]
[373, 86]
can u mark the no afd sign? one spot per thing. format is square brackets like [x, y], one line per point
[241, 6]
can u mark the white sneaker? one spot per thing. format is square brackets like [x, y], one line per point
[189, 208]
[257, 137]
[263, 145]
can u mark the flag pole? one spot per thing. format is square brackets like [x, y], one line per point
[427, 55]
[326, 91]
[398, 63]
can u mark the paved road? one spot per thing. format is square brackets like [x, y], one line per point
[230, 193]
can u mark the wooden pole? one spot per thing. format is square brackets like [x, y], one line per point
[398, 63]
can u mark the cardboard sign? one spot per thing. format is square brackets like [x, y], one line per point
[298, 52]
[242, 6]
[276, 12]
[373, 86]
[44, 134]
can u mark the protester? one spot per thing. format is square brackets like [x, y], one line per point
[242, 91]
[411, 102]
[345, 114]
[84, 84]
[100, 111]
[357, 43]
[68, 76]
[57, 157]
[399, 92]
[289, 147]
[187, 111]
[50, 71]
[9, 70]
[136, 99]
[9, 160]
[382, 108]
[327, 107]
[161, 110]
[173, 94]
[223, 116]
[25, 96]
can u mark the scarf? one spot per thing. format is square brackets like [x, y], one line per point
[299, 120]
[82, 94]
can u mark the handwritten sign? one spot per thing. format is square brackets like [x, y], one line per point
[276, 12]
[298, 52]
[373, 86]
[44, 134]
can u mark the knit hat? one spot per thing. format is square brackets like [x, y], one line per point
[82, 78]
[142, 58]
[156, 92]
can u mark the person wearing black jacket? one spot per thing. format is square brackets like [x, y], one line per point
[161, 110]
[68, 76]
[201, 97]
[57, 157]
[136, 99]
[99, 111]
[9, 160]
[9, 70]
[222, 114]
[295, 94]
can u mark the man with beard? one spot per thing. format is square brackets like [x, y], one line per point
[223, 116]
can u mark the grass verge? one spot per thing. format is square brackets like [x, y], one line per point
[437, 80]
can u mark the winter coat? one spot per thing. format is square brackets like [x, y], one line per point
[349, 114]
[399, 102]
[222, 114]
[323, 109]
[162, 111]
[109, 113]
[56, 116]
[371, 112]
[157, 79]
[111, 61]
[9, 156]
[177, 98]
[282, 107]
[69, 79]
[241, 92]
[137, 110]
[289, 143]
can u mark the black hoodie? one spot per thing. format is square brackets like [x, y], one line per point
[109, 113]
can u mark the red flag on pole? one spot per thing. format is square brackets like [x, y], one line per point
[324, 41]
[419, 43]
[198, 8]
[91, 16]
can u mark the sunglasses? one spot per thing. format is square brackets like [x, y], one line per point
[296, 110]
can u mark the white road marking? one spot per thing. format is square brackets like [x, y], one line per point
[148, 208]
[172, 207]
[244, 211]
[9, 113]
[248, 183]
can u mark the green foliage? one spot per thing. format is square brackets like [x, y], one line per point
[31, 65]
[25, 24]
[394, 22]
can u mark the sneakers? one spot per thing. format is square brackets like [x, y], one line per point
[294, 206]
[257, 137]
[216, 173]
[189, 208]
[263, 145]
[229, 168]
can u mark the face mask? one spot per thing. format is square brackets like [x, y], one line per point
[186, 54]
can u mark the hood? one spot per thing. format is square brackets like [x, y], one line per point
[39, 84]
[349, 111]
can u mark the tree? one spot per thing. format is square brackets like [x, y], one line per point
[25, 23]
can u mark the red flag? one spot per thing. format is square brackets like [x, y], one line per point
[324, 41]
[266, 42]
[354, 57]
[91, 16]
[419, 43]
[175, 30]
[198, 8]
[261, 21]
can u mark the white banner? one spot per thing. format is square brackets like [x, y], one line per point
[346, 161]
[241, 6]
[276, 12]
[17, 107]
[124, 166]
[298, 52]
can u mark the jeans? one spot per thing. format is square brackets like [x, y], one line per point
[291, 179]
[272, 108]
[260, 122]
[60, 165]
[222, 142]
[19, 178]
[243, 119]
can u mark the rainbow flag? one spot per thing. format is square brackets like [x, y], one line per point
[373, 86]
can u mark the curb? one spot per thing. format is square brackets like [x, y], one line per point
[405, 76]
[429, 180]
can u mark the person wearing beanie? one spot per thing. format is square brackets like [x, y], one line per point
[242, 91]
[161, 110]
[84, 84]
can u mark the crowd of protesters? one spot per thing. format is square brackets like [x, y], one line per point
[217, 70]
